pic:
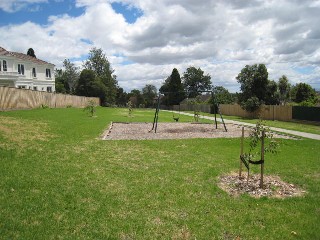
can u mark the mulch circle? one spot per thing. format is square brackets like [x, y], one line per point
[273, 186]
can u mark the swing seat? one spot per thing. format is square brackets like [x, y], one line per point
[176, 119]
[256, 162]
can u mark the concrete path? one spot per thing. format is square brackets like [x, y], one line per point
[296, 133]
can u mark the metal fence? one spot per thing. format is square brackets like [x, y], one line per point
[15, 99]
[306, 113]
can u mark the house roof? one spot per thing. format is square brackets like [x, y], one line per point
[4, 52]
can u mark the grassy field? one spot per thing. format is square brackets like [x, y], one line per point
[59, 181]
[296, 126]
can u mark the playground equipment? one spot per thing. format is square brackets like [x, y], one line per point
[215, 107]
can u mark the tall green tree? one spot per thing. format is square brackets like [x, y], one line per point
[100, 65]
[61, 82]
[194, 81]
[253, 86]
[90, 85]
[71, 73]
[122, 97]
[173, 89]
[303, 92]
[149, 92]
[284, 89]
[136, 98]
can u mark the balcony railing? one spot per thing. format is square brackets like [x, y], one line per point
[14, 74]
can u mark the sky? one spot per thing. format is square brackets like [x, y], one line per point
[145, 39]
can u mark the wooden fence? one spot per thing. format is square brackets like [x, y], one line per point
[267, 112]
[14, 99]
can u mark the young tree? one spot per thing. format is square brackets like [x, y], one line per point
[99, 64]
[71, 73]
[253, 85]
[173, 89]
[195, 81]
[149, 92]
[284, 89]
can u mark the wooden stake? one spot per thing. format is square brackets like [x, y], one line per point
[262, 159]
[241, 152]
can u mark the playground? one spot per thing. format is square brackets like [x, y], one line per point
[173, 130]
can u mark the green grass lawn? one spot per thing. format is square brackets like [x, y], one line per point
[59, 181]
[296, 126]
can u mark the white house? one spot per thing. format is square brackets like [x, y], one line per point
[23, 71]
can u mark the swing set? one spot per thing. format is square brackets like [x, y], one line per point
[214, 106]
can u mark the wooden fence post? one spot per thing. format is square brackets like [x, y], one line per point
[262, 158]
[241, 152]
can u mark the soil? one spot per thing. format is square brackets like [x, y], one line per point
[142, 131]
[273, 186]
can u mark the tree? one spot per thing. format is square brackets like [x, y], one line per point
[61, 81]
[195, 81]
[91, 86]
[253, 85]
[149, 92]
[122, 97]
[173, 89]
[303, 92]
[99, 64]
[273, 95]
[222, 95]
[284, 89]
[31, 53]
[136, 98]
[71, 73]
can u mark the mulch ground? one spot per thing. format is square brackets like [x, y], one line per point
[273, 186]
[142, 131]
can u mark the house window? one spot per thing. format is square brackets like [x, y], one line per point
[34, 73]
[4, 64]
[22, 87]
[48, 73]
[21, 69]
[35, 88]
[49, 89]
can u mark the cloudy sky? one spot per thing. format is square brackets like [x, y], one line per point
[145, 39]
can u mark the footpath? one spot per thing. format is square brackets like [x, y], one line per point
[292, 132]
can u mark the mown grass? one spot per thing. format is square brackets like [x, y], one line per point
[308, 127]
[59, 181]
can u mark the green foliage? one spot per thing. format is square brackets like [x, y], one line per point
[149, 92]
[99, 64]
[91, 108]
[273, 95]
[253, 85]
[303, 92]
[256, 135]
[91, 86]
[31, 53]
[194, 81]
[71, 75]
[172, 89]
[284, 89]
[222, 96]
[135, 98]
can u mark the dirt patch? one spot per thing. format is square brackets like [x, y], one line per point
[142, 131]
[273, 187]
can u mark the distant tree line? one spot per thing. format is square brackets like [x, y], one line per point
[97, 79]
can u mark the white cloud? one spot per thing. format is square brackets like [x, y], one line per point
[220, 36]
[16, 5]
